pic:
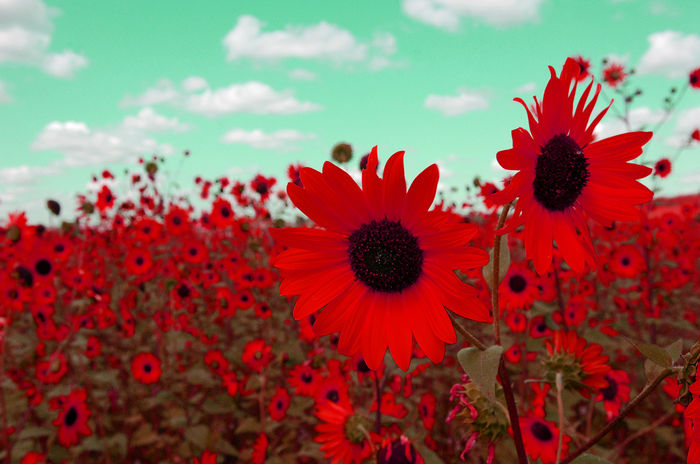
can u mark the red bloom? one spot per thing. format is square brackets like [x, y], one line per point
[426, 409]
[695, 135]
[341, 433]
[260, 449]
[279, 403]
[584, 65]
[105, 199]
[616, 393]
[662, 168]
[694, 78]
[584, 363]
[519, 287]
[565, 177]
[145, 368]
[207, 458]
[257, 354]
[627, 261]
[614, 74]
[541, 439]
[72, 418]
[304, 379]
[692, 414]
[383, 266]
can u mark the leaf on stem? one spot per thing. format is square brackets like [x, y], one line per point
[482, 367]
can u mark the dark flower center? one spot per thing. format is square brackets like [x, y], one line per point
[610, 392]
[43, 267]
[385, 256]
[147, 368]
[71, 417]
[139, 261]
[362, 366]
[541, 431]
[560, 174]
[625, 261]
[397, 453]
[306, 377]
[517, 283]
[183, 291]
[225, 212]
[333, 396]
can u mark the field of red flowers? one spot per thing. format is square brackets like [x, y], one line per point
[375, 328]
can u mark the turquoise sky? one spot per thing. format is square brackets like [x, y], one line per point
[252, 86]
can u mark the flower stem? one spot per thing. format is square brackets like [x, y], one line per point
[466, 334]
[646, 391]
[496, 274]
[560, 411]
[378, 424]
[502, 371]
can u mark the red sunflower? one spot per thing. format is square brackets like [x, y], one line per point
[662, 168]
[343, 434]
[583, 364]
[614, 74]
[565, 177]
[382, 267]
[615, 393]
[72, 418]
[279, 403]
[145, 368]
[541, 439]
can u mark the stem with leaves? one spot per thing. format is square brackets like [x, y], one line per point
[502, 371]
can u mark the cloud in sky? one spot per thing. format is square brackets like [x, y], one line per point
[24, 174]
[300, 74]
[671, 53]
[148, 120]
[454, 105]
[688, 121]
[641, 118]
[85, 146]
[251, 97]
[446, 14]
[194, 83]
[26, 31]
[322, 41]
[281, 139]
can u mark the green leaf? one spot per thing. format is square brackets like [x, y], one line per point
[198, 435]
[200, 376]
[674, 350]
[223, 446]
[144, 435]
[428, 455]
[482, 367]
[222, 404]
[503, 263]
[655, 353]
[586, 458]
[651, 369]
[248, 424]
[33, 432]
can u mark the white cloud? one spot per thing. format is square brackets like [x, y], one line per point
[446, 14]
[82, 146]
[641, 118]
[24, 174]
[25, 36]
[526, 88]
[149, 121]
[322, 40]
[302, 75]
[670, 53]
[163, 91]
[64, 64]
[463, 102]
[281, 139]
[688, 121]
[251, 97]
[194, 83]
[4, 95]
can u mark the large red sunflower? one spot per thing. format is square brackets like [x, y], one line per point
[382, 266]
[565, 177]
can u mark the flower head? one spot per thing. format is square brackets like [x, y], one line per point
[565, 177]
[382, 266]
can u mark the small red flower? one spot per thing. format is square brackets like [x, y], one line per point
[145, 368]
[426, 409]
[257, 354]
[662, 168]
[541, 439]
[584, 66]
[279, 403]
[614, 74]
[72, 417]
[694, 78]
[260, 449]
